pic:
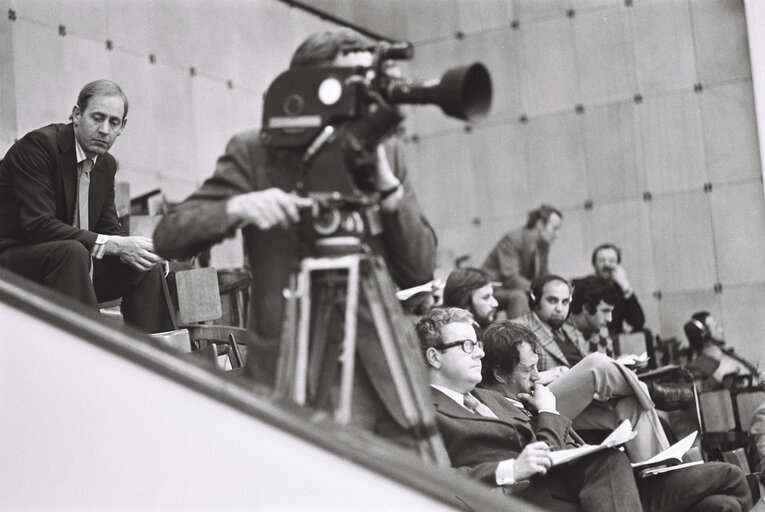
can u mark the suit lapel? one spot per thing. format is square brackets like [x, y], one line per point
[546, 339]
[577, 338]
[69, 171]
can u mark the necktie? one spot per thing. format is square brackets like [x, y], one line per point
[477, 407]
[83, 187]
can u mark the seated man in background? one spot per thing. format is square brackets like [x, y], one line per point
[592, 305]
[499, 441]
[254, 189]
[607, 263]
[472, 289]
[594, 390]
[58, 221]
[521, 255]
[710, 358]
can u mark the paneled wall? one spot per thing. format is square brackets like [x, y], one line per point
[635, 117]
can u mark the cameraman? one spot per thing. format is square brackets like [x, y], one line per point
[252, 189]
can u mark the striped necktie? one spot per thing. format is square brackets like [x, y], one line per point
[83, 187]
[477, 407]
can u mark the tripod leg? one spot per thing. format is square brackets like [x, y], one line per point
[343, 412]
[402, 354]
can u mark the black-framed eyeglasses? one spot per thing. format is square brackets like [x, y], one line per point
[467, 345]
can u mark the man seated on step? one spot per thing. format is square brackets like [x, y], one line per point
[503, 444]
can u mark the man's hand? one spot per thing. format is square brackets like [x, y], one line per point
[266, 208]
[542, 398]
[548, 376]
[136, 251]
[619, 275]
[533, 460]
[385, 180]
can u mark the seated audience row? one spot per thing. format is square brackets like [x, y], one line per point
[593, 389]
[503, 435]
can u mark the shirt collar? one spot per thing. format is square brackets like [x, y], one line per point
[81, 153]
[454, 395]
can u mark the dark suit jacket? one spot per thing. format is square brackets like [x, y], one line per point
[38, 191]
[477, 443]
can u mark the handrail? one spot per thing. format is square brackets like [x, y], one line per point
[202, 376]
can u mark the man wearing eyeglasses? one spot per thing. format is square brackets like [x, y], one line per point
[496, 441]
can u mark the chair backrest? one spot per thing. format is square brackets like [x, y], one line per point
[747, 403]
[631, 343]
[717, 411]
[197, 295]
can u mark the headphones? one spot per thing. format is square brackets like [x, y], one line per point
[539, 284]
[702, 326]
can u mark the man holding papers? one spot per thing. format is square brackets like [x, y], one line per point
[508, 442]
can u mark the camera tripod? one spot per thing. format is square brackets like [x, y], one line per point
[326, 291]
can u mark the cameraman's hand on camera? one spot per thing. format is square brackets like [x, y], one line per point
[266, 208]
[386, 180]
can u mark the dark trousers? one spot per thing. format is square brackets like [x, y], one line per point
[709, 487]
[65, 267]
[601, 482]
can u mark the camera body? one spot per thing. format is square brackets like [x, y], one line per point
[338, 115]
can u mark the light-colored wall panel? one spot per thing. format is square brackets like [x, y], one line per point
[445, 180]
[528, 11]
[174, 129]
[85, 60]
[722, 52]
[554, 153]
[672, 150]
[137, 146]
[478, 15]
[565, 257]
[605, 55]
[40, 99]
[743, 320]
[730, 132]
[455, 241]
[500, 172]
[738, 213]
[211, 102]
[611, 152]
[676, 308]
[681, 226]
[85, 19]
[548, 73]
[173, 24]
[663, 46]
[46, 12]
[128, 25]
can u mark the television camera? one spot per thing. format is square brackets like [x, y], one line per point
[338, 115]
